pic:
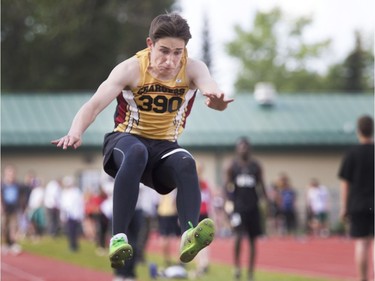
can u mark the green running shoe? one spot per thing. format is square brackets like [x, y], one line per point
[119, 250]
[195, 239]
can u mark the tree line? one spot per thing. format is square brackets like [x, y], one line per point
[274, 50]
[72, 45]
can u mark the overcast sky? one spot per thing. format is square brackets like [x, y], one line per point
[335, 19]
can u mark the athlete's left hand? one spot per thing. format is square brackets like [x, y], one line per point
[217, 101]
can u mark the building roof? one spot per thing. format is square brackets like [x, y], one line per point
[298, 120]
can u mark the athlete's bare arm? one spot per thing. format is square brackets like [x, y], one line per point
[202, 79]
[125, 74]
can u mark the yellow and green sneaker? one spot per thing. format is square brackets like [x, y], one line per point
[195, 239]
[119, 250]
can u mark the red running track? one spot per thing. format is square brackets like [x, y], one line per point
[330, 258]
[316, 257]
[28, 267]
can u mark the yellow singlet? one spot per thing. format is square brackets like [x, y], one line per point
[155, 109]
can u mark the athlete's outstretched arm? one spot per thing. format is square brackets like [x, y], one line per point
[118, 79]
[203, 80]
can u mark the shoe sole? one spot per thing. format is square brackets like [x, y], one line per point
[201, 237]
[119, 256]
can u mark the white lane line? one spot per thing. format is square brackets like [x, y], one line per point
[20, 273]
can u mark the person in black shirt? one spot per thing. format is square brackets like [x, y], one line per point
[357, 193]
[243, 177]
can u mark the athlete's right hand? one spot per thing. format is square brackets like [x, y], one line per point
[67, 141]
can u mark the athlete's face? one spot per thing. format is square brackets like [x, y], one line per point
[166, 54]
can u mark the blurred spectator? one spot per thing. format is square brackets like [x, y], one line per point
[148, 200]
[203, 257]
[72, 211]
[318, 207]
[52, 197]
[168, 224]
[219, 213]
[30, 181]
[106, 206]
[36, 211]
[96, 223]
[91, 207]
[357, 195]
[244, 181]
[10, 207]
[274, 217]
[287, 204]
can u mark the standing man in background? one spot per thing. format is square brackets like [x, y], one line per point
[243, 177]
[357, 194]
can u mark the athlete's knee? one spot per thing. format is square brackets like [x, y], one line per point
[138, 152]
[186, 163]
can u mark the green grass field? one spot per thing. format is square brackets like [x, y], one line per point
[86, 257]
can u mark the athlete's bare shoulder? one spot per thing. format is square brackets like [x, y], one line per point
[128, 72]
[196, 69]
[194, 65]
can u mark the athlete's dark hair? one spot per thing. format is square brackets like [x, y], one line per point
[365, 126]
[169, 25]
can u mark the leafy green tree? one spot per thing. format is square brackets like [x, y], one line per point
[206, 42]
[275, 51]
[355, 74]
[70, 45]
